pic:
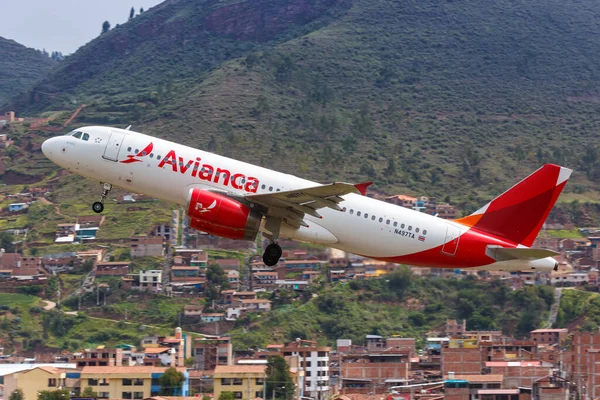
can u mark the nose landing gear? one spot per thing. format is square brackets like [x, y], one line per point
[98, 206]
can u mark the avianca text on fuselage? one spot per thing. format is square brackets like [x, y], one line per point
[204, 172]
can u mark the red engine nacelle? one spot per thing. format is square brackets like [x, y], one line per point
[221, 216]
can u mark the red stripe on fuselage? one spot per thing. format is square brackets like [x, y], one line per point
[470, 253]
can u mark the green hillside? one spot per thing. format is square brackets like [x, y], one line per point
[20, 67]
[449, 98]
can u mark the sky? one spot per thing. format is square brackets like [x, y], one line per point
[63, 25]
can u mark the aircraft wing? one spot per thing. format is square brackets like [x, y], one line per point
[292, 205]
[505, 254]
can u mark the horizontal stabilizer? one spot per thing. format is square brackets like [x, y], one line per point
[524, 253]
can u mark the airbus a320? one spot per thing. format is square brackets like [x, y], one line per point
[237, 200]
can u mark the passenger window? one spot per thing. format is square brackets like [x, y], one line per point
[351, 211]
[402, 226]
[410, 228]
[158, 157]
[425, 232]
[344, 209]
[270, 188]
[263, 186]
[136, 151]
[387, 222]
[129, 149]
[358, 213]
[395, 224]
[417, 230]
[380, 219]
[366, 215]
[77, 135]
[86, 137]
[373, 218]
[152, 156]
[278, 190]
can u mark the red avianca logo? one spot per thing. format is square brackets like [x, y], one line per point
[132, 158]
[207, 172]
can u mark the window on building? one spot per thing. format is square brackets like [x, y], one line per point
[103, 382]
[307, 373]
[225, 381]
[127, 382]
[322, 354]
[308, 382]
[103, 395]
[138, 395]
[127, 395]
[287, 354]
[51, 382]
[92, 382]
[138, 382]
[259, 395]
[260, 381]
[237, 381]
[237, 395]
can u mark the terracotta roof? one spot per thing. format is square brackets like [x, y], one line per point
[114, 263]
[155, 350]
[195, 373]
[213, 315]
[50, 370]
[550, 330]
[478, 378]
[184, 267]
[240, 369]
[244, 293]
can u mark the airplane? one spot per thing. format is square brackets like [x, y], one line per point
[237, 200]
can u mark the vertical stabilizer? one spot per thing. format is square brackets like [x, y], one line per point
[519, 213]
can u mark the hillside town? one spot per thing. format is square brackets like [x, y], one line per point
[449, 362]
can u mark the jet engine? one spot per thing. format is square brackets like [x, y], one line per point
[222, 216]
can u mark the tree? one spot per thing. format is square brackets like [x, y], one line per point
[279, 379]
[132, 13]
[6, 242]
[61, 394]
[89, 392]
[226, 396]
[141, 10]
[17, 395]
[171, 382]
[105, 27]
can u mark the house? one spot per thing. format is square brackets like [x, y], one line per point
[402, 200]
[228, 264]
[549, 336]
[99, 357]
[212, 317]
[315, 362]
[247, 382]
[209, 352]
[136, 382]
[14, 207]
[32, 381]
[446, 211]
[265, 280]
[182, 273]
[233, 277]
[192, 310]
[146, 246]
[150, 279]
[117, 268]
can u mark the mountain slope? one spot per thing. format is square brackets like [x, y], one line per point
[447, 98]
[20, 67]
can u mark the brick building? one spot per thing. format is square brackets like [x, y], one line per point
[146, 246]
[549, 336]
[117, 268]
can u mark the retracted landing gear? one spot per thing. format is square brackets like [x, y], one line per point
[98, 206]
[273, 251]
[272, 254]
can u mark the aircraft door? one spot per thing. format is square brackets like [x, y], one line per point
[451, 242]
[113, 146]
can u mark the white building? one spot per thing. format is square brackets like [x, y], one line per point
[150, 279]
[314, 361]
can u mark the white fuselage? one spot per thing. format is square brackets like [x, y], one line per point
[366, 227]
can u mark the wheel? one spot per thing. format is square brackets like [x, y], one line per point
[98, 207]
[272, 254]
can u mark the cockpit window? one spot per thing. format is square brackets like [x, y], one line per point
[77, 135]
[86, 137]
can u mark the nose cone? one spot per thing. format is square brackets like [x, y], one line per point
[49, 148]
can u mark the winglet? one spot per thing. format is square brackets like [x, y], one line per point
[362, 187]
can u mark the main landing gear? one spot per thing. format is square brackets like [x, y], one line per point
[273, 251]
[98, 206]
[272, 254]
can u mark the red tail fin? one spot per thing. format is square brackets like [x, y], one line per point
[519, 213]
